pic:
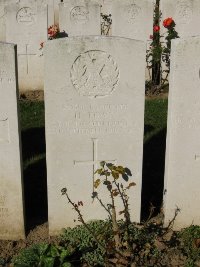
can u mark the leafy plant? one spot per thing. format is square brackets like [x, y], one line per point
[106, 23]
[109, 177]
[191, 244]
[43, 255]
[86, 246]
[158, 54]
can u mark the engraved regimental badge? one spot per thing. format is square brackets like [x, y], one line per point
[26, 15]
[95, 74]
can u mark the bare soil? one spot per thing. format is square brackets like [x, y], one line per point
[168, 246]
[37, 95]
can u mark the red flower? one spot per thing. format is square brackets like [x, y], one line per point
[168, 22]
[156, 28]
[53, 30]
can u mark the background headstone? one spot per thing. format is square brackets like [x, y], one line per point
[185, 13]
[11, 202]
[2, 22]
[80, 17]
[182, 183]
[94, 99]
[132, 18]
[26, 25]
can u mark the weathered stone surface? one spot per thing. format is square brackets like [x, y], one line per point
[11, 203]
[132, 18]
[94, 95]
[186, 14]
[2, 22]
[182, 183]
[80, 17]
[26, 25]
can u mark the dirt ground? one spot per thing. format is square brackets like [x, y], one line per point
[8, 249]
[171, 254]
[168, 246]
[37, 95]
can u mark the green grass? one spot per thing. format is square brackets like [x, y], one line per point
[31, 114]
[155, 117]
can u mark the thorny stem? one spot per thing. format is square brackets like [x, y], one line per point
[100, 201]
[125, 203]
[80, 218]
[114, 221]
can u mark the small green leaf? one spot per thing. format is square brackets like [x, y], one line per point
[109, 187]
[128, 172]
[54, 251]
[66, 264]
[94, 194]
[125, 177]
[102, 163]
[120, 169]
[115, 174]
[99, 171]
[97, 183]
[110, 166]
[48, 262]
[107, 182]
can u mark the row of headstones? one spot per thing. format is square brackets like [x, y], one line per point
[25, 23]
[94, 111]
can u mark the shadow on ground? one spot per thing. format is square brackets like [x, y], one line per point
[153, 173]
[35, 178]
[33, 142]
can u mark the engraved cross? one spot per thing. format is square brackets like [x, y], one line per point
[27, 58]
[95, 162]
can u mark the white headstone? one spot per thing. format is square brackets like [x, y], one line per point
[94, 95]
[185, 13]
[132, 18]
[11, 202]
[26, 25]
[80, 17]
[182, 183]
[2, 22]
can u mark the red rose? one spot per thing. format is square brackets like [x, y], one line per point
[53, 30]
[156, 28]
[168, 22]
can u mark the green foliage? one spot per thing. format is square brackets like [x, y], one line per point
[106, 22]
[86, 246]
[43, 255]
[159, 50]
[155, 117]
[191, 244]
